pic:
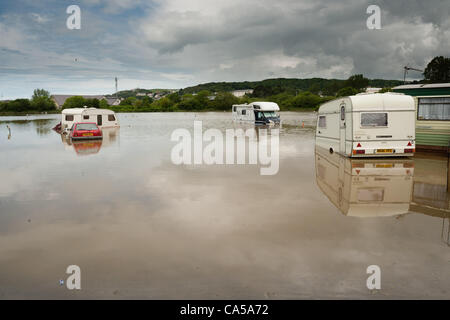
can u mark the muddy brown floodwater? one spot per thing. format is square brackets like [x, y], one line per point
[139, 226]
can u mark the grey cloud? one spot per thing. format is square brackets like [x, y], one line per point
[179, 43]
[328, 31]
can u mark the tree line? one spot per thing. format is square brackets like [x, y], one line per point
[39, 102]
[290, 94]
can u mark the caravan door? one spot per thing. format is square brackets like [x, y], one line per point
[342, 130]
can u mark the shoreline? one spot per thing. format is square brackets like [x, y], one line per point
[19, 114]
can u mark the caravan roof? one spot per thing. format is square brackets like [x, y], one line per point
[370, 102]
[265, 106]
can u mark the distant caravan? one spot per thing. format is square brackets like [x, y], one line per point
[104, 118]
[368, 125]
[258, 113]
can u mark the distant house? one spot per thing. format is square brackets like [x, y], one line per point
[112, 101]
[59, 99]
[241, 93]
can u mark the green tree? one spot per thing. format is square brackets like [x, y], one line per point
[74, 102]
[147, 101]
[103, 104]
[128, 101]
[314, 88]
[357, 81]
[438, 70]
[305, 100]
[92, 103]
[224, 101]
[42, 103]
[174, 97]
[202, 100]
[39, 93]
[347, 91]
[164, 104]
[19, 105]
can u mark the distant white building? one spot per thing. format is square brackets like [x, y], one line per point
[241, 93]
[372, 90]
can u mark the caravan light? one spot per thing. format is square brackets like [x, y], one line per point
[359, 151]
[410, 150]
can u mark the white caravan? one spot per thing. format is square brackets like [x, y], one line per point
[256, 112]
[368, 125]
[104, 118]
[372, 187]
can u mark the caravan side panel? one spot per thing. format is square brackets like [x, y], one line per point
[328, 124]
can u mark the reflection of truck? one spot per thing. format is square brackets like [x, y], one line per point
[368, 125]
[365, 187]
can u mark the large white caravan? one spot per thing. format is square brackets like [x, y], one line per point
[103, 117]
[368, 125]
[256, 112]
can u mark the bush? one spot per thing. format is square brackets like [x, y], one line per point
[74, 102]
[347, 91]
[42, 104]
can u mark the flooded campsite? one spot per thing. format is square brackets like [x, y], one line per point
[140, 226]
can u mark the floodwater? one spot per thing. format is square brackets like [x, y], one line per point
[140, 226]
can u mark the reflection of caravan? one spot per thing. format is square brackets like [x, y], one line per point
[103, 117]
[365, 187]
[368, 125]
[257, 113]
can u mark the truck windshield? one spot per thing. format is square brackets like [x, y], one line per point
[270, 114]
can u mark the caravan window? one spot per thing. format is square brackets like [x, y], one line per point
[234, 109]
[86, 117]
[69, 117]
[372, 119]
[244, 112]
[434, 109]
[322, 121]
[111, 117]
[342, 112]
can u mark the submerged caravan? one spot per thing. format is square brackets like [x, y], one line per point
[258, 113]
[368, 125]
[104, 118]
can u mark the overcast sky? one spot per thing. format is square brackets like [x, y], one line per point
[177, 43]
